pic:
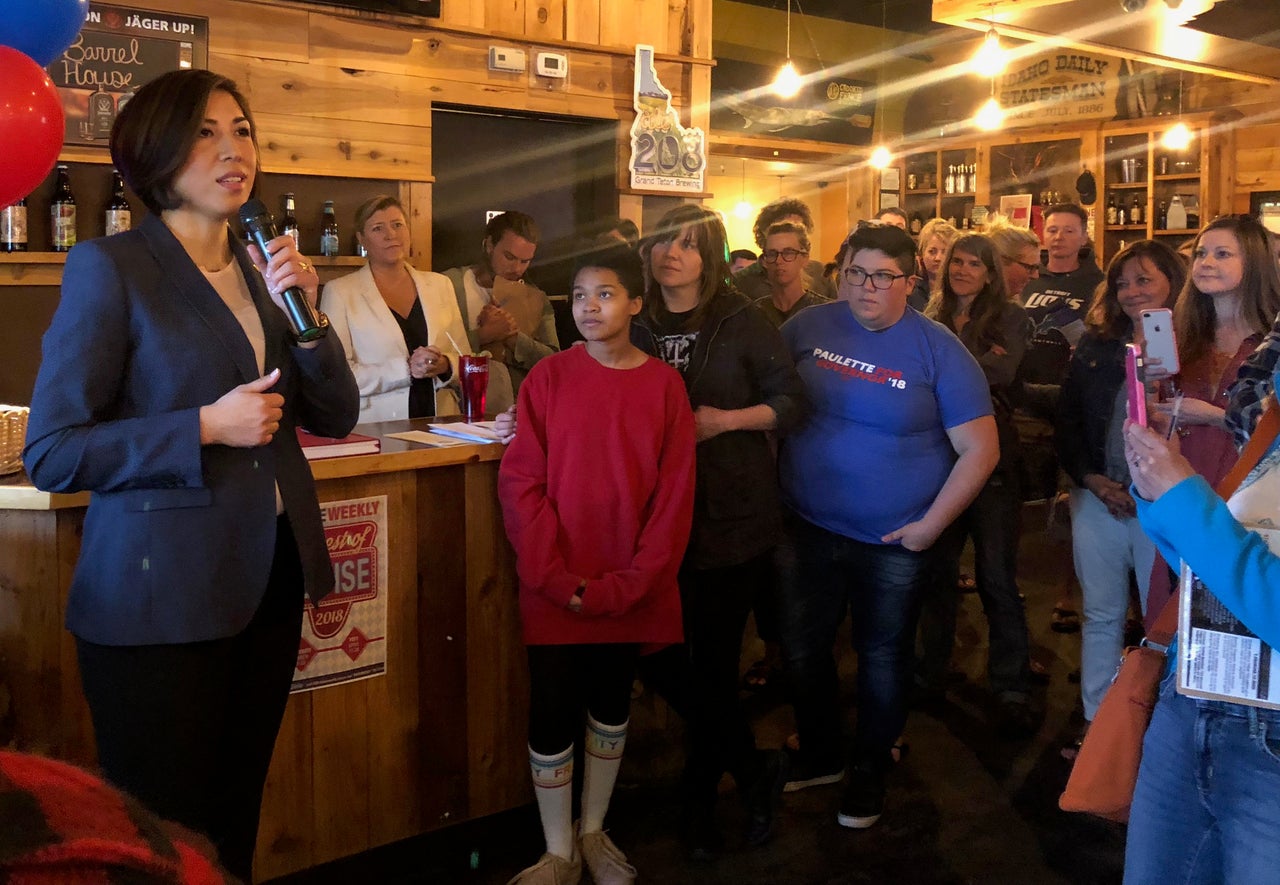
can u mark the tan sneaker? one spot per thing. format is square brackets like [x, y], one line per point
[607, 864]
[551, 869]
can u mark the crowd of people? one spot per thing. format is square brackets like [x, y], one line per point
[718, 445]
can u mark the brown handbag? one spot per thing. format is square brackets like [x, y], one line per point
[1106, 768]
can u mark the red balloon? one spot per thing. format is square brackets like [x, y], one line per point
[31, 125]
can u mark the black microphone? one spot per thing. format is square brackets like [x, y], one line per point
[303, 320]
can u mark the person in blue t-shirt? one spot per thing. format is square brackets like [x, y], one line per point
[899, 442]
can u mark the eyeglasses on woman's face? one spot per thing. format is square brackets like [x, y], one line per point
[770, 256]
[1025, 265]
[881, 279]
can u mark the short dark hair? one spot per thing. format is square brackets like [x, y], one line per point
[892, 210]
[1069, 209]
[154, 133]
[778, 210]
[622, 260]
[518, 223]
[887, 238]
[744, 254]
[374, 205]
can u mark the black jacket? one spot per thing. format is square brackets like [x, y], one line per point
[1088, 398]
[739, 360]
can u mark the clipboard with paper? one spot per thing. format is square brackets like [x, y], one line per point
[1219, 658]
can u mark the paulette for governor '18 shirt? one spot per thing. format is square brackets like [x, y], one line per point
[874, 452]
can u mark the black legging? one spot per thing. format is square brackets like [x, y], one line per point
[188, 729]
[567, 680]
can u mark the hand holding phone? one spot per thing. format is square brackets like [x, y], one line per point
[1137, 391]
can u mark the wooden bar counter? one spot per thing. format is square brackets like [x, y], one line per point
[439, 738]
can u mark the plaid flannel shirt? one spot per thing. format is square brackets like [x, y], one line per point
[1254, 383]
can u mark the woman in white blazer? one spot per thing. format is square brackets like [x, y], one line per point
[396, 323]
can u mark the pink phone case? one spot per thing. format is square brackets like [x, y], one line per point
[1133, 385]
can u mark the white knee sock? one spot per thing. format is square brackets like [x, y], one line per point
[553, 788]
[604, 756]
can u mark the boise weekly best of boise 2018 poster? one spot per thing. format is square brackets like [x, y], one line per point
[344, 638]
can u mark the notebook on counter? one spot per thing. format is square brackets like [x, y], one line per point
[476, 431]
[317, 447]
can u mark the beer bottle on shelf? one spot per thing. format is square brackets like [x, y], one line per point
[1135, 211]
[1121, 217]
[119, 218]
[62, 213]
[949, 183]
[289, 223]
[329, 232]
[916, 223]
[1162, 218]
[1111, 209]
[13, 227]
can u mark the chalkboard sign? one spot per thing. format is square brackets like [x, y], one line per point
[117, 51]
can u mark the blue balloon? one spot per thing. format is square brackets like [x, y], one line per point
[42, 29]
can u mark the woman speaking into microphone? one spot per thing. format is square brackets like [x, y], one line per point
[170, 386]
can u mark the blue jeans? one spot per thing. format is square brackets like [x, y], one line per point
[993, 522]
[881, 585]
[1207, 805]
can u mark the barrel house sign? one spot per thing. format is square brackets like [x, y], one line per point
[116, 52]
[1060, 87]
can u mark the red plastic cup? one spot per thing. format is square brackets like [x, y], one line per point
[474, 383]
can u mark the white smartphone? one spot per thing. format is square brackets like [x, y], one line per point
[1157, 329]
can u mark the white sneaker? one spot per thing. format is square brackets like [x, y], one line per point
[607, 864]
[551, 869]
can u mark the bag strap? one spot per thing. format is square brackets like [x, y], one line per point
[1166, 624]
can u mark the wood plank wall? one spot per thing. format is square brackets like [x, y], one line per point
[349, 94]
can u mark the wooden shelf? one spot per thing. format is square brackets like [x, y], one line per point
[923, 191]
[1127, 186]
[1180, 176]
[1126, 227]
[1177, 232]
[966, 195]
[45, 268]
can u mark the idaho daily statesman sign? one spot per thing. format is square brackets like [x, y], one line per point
[1060, 87]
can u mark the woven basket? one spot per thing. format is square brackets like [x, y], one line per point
[13, 432]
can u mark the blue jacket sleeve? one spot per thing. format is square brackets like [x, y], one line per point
[1190, 522]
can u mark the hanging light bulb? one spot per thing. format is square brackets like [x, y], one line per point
[880, 157]
[1177, 137]
[787, 82]
[990, 60]
[990, 115]
[744, 209]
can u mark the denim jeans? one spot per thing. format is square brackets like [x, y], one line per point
[993, 521]
[881, 585]
[1105, 551]
[1207, 805]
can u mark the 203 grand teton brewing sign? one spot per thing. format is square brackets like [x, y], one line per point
[117, 51]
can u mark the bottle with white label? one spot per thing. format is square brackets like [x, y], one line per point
[119, 218]
[1177, 217]
[13, 227]
[62, 213]
[289, 222]
[329, 232]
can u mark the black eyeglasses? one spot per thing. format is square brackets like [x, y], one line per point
[1026, 265]
[880, 279]
[769, 256]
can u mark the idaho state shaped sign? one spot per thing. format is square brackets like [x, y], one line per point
[665, 156]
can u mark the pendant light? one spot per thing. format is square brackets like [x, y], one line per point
[881, 157]
[990, 59]
[787, 83]
[744, 209]
[1178, 136]
[990, 116]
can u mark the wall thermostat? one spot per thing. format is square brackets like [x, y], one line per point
[553, 64]
[505, 58]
